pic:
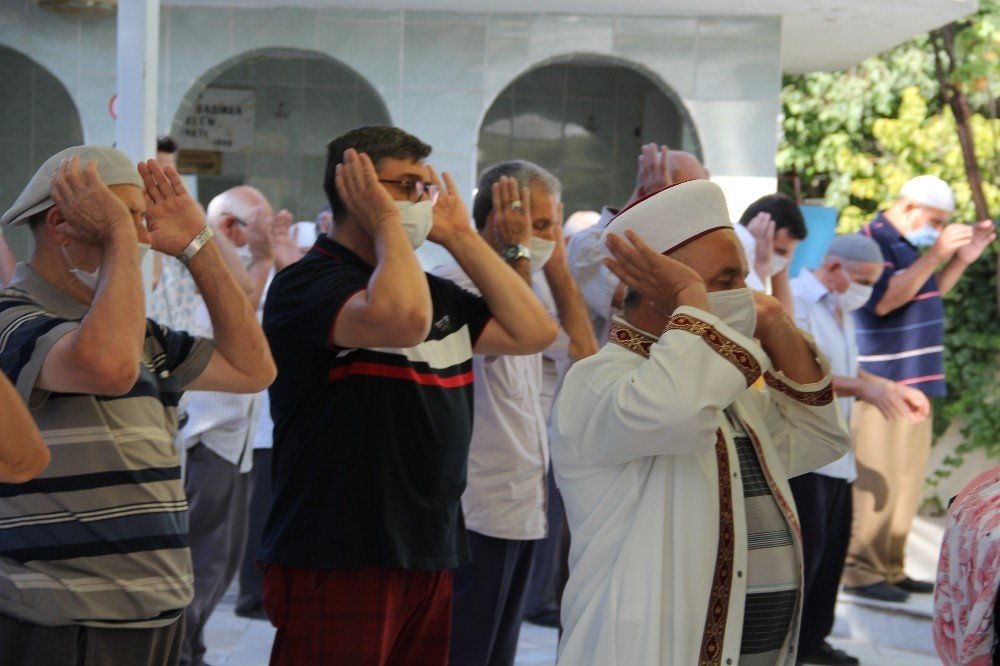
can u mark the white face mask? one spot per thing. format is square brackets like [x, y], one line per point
[89, 279]
[854, 297]
[778, 264]
[418, 218]
[541, 252]
[736, 307]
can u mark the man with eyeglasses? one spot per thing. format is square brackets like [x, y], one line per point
[373, 409]
[900, 332]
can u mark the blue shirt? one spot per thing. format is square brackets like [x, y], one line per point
[907, 344]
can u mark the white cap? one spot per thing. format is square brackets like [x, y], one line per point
[675, 215]
[929, 191]
[303, 233]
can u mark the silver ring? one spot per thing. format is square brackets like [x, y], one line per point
[515, 205]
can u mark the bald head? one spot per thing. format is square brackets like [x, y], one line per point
[240, 210]
[685, 166]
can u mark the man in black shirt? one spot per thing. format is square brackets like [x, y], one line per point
[373, 409]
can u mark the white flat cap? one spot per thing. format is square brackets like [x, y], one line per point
[675, 215]
[113, 165]
[929, 191]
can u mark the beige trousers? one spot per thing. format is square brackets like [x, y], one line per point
[892, 464]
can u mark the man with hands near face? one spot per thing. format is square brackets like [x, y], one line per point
[825, 300]
[373, 409]
[96, 568]
[685, 543]
[518, 212]
[900, 334]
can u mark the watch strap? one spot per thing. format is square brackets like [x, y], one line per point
[198, 242]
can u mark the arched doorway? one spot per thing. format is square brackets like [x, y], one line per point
[38, 118]
[299, 101]
[585, 120]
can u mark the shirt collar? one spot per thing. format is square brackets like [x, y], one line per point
[27, 280]
[331, 249]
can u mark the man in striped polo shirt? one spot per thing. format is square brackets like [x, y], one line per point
[94, 559]
[900, 333]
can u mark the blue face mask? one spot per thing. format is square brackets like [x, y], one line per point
[925, 236]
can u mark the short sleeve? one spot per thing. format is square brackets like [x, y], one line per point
[177, 353]
[468, 308]
[305, 300]
[27, 334]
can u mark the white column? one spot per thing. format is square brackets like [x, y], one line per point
[138, 67]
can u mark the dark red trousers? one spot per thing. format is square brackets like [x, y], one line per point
[362, 617]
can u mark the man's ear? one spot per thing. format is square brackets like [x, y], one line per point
[54, 218]
[229, 226]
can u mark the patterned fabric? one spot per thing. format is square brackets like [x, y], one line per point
[773, 562]
[811, 398]
[907, 344]
[175, 299]
[968, 576]
[714, 633]
[100, 537]
[730, 350]
[363, 616]
[630, 338]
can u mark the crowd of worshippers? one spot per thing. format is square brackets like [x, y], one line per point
[367, 445]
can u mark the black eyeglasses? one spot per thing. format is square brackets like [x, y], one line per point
[415, 189]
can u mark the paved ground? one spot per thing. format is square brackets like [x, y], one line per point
[235, 641]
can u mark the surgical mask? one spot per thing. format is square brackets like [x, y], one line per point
[925, 236]
[778, 264]
[418, 218]
[854, 297]
[87, 278]
[736, 307]
[541, 252]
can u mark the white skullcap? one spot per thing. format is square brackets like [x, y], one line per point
[855, 247]
[114, 167]
[929, 191]
[579, 221]
[675, 215]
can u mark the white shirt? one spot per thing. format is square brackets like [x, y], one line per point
[227, 423]
[650, 493]
[505, 496]
[585, 254]
[816, 312]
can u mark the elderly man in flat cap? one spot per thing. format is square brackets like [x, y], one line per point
[94, 563]
[901, 337]
[825, 299]
[686, 547]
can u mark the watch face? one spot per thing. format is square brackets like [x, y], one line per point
[511, 252]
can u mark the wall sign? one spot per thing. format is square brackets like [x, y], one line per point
[220, 119]
[200, 162]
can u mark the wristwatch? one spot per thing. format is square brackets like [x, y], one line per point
[187, 254]
[514, 252]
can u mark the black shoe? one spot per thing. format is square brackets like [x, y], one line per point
[545, 618]
[256, 613]
[915, 586]
[827, 654]
[880, 591]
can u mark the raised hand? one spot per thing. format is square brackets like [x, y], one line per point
[173, 217]
[511, 223]
[450, 215]
[282, 222]
[654, 170]
[362, 194]
[762, 228]
[950, 240]
[260, 234]
[983, 233]
[665, 282]
[92, 213]
[558, 257]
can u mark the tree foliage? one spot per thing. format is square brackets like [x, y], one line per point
[854, 137]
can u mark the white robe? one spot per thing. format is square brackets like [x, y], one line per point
[637, 462]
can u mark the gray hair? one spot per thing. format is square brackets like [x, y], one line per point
[527, 174]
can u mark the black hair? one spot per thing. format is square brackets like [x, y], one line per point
[783, 210]
[165, 144]
[376, 141]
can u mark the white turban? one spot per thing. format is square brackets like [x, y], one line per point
[675, 215]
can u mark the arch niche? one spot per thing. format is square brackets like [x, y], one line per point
[585, 118]
[301, 100]
[38, 118]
